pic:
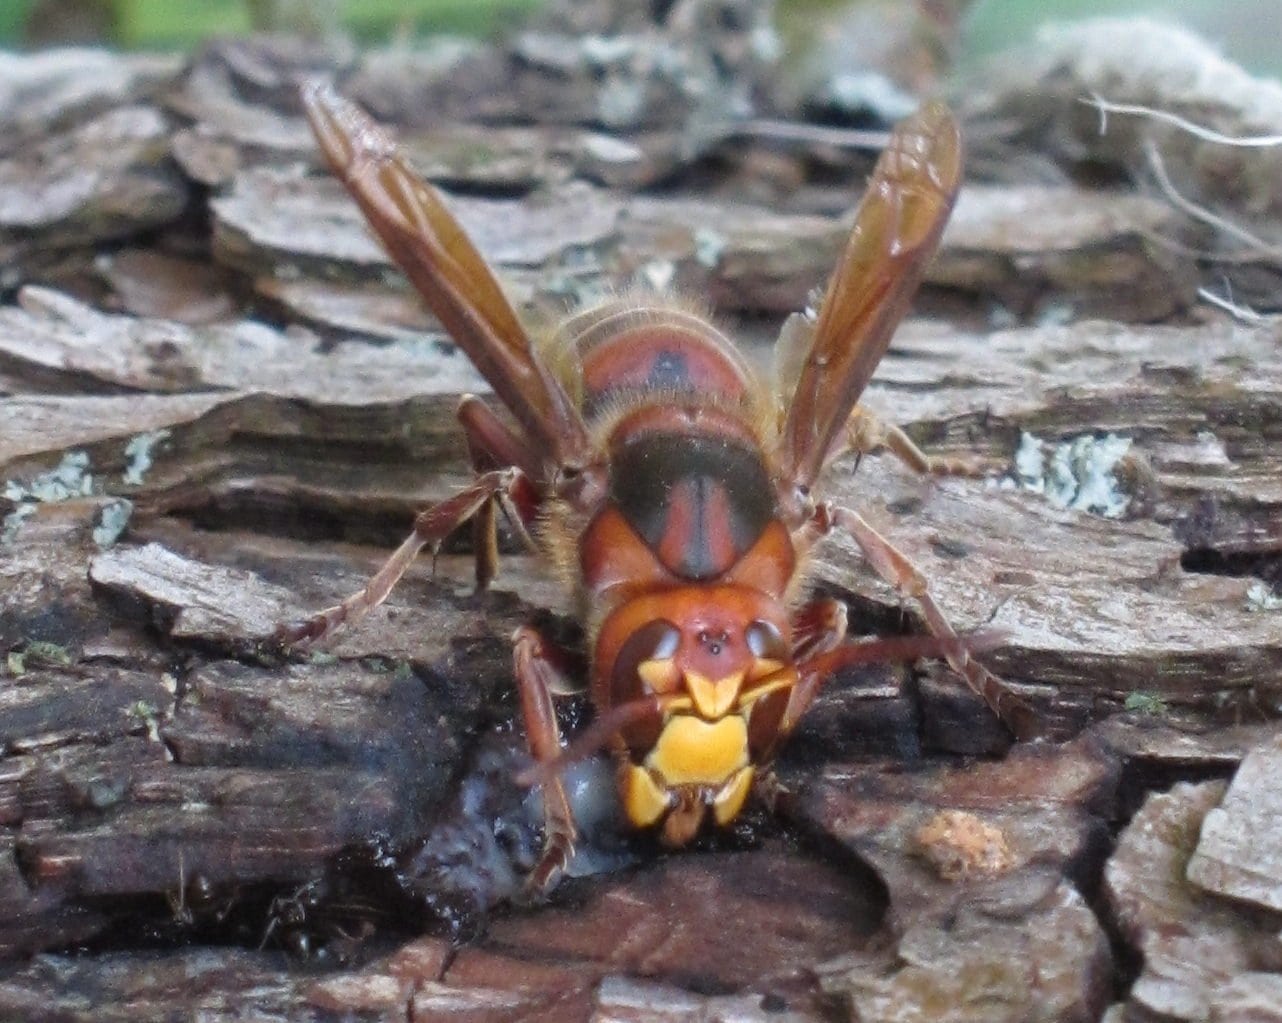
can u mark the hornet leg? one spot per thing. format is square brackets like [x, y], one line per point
[867, 433]
[895, 568]
[431, 527]
[818, 627]
[491, 445]
[537, 677]
[505, 470]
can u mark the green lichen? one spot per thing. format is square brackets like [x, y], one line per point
[1260, 597]
[36, 653]
[1147, 703]
[1079, 474]
[69, 478]
[111, 522]
[139, 451]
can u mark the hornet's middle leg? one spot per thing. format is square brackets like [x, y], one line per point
[506, 474]
[431, 527]
[895, 568]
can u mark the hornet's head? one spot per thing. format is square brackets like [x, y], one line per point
[713, 665]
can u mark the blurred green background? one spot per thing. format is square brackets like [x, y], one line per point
[181, 23]
[1245, 30]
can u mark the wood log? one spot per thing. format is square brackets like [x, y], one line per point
[220, 406]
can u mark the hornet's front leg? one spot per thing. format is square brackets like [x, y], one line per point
[538, 676]
[818, 627]
[820, 650]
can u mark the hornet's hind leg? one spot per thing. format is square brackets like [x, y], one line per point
[867, 433]
[491, 445]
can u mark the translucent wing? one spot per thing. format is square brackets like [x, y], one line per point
[897, 229]
[430, 246]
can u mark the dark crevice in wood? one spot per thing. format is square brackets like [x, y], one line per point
[1267, 567]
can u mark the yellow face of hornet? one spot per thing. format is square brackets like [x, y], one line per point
[723, 685]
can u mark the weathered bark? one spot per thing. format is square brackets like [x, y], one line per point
[219, 406]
